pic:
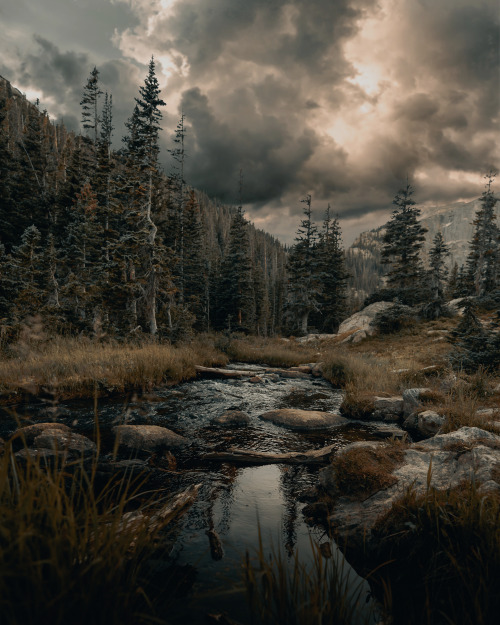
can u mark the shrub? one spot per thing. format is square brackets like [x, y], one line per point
[395, 319]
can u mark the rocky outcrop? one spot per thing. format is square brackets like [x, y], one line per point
[360, 325]
[444, 461]
[303, 419]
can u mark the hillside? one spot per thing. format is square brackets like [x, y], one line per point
[453, 220]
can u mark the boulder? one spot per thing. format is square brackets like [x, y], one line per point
[149, 438]
[429, 422]
[295, 419]
[360, 325]
[456, 306]
[60, 440]
[30, 432]
[256, 380]
[388, 408]
[411, 400]
[232, 418]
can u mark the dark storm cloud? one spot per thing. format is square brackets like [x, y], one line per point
[339, 98]
[60, 77]
[261, 145]
[265, 79]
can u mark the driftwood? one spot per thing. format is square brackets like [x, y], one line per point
[216, 550]
[214, 372]
[135, 521]
[248, 456]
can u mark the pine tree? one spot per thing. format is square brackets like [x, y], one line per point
[303, 272]
[195, 269]
[176, 222]
[236, 297]
[483, 261]
[473, 344]
[27, 272]
[332, 274]
[402, 243]
[438, 269]
[90, 105]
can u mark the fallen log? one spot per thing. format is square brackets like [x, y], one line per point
[215, 372]
[249, 456]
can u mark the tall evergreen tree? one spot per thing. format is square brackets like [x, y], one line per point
[438, 269]
[304, 285]
[402, 243]
[236, 297]
[483, 261]
[90, 106]
[332, 274]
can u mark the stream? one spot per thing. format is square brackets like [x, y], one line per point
[234, 500]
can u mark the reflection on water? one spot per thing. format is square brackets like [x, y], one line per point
[257, 496]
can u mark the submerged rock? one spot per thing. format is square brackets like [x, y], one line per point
[303, 419]
[232, 418]
[27, 435]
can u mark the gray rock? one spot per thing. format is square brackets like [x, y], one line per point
[411, 400]
[388, 406]
[361, 323]
[30, 432]
[303, 419]
[147, 438]
[429, 422]
[232, 418]
[446, 459]
[60, 440]
[411, 422]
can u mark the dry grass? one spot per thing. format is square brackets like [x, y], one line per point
[67, 555]
[79, 367]
[366, 470]
[443, 554]
[274, 352]
[321, 592]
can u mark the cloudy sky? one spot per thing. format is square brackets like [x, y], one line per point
[338, 98]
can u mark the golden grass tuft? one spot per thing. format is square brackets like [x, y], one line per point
[366, 470]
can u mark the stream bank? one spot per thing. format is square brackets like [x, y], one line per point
[212, 537]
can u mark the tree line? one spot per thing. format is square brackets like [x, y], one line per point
[102, 242]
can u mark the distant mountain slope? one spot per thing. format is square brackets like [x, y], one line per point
[453, 220]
